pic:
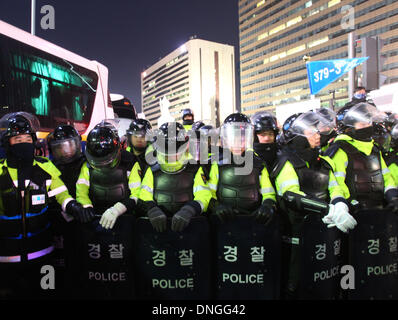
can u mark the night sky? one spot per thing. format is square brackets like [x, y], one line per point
[129, 35]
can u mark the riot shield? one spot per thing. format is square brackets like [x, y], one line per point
[106, 259]
[247, 259]
[172, 265]
[373, 255]
[320, 260]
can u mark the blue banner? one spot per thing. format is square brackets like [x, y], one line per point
[323, 72]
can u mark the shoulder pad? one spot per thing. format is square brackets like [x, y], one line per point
[284, 156]
[326, 164]
[155, 167]
[257, 161]
[127, 159]
[332, 150]
[41, 159]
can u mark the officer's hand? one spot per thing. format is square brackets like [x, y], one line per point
[265, 213]
[393, 206]
[225, 212]
[328, 219]
[109, 217]
[158, 219]
[88, 214]
[182, 218]
[76, 210]
[342, 218]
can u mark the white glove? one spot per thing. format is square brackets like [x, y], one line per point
[109, 217]
[341, 218]
[328, 218]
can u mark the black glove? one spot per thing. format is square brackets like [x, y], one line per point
[76, 210]
[265, 213]
[158, 219]
[225, 212]
[182, 218]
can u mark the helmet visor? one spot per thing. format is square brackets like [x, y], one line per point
[237, 136]
[65, 151]
[363, 115]
[109, 160]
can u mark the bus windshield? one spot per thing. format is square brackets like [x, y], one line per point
[55, 90]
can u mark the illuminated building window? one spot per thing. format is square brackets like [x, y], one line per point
[260, 3]
[262, 36]
[277, 29]
[333, 2]
[296, 49]
[317, 42]
[293, 21]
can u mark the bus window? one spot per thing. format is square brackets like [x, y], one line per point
[53, 89]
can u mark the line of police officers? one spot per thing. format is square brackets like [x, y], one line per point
[319, 163]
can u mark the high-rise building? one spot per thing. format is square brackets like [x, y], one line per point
[275, 35]
[199, 75]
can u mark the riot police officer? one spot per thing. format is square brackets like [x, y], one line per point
[109, 181]
[305, 184]
[265, 133]
[64, 144]
[174, 186]
[359, 96]
[138, 135]
[239, 180]
[187, 119]
[27, 184]
[360, 167]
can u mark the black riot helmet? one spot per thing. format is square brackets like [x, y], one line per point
[288, 134]
[139, 128]
[171, 139]
[197, 125]
[196, 128]
[103, 149]
[64, 144]
[305, 129]
[237, 133]
[185, 113]
[264, 121]
[17, 123]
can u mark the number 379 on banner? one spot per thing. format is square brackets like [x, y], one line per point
[323, 72]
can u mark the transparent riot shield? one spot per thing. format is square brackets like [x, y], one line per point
[247, 259]
[173, 265]
[373, 255]
[106, 260]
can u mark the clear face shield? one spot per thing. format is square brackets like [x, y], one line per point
[237, 137]
[171, 153]
[139, 139]
[67, 150]
[328, 117]
[310, 126]
[363, 115]
[104, 162]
